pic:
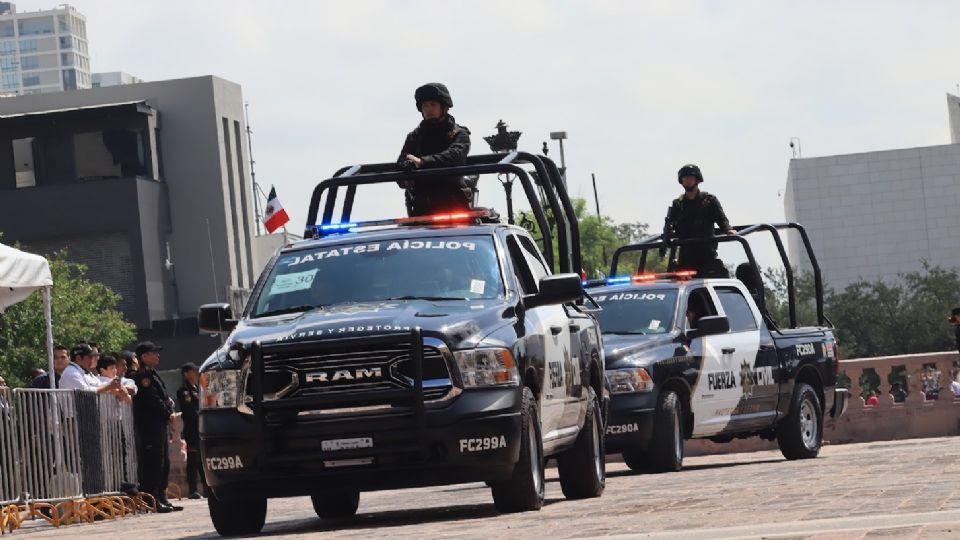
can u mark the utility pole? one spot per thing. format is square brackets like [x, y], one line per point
[596, 199]
[253, 175]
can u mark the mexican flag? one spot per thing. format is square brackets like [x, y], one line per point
[274, 216]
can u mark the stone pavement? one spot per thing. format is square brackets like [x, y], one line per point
[898, 489]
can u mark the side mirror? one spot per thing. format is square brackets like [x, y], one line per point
[216, 318]
[709, 326]
[558, 289]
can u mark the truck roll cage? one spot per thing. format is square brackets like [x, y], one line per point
[546, 176]
[658, 241]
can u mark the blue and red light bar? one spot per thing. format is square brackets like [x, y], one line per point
[646, 278]
[432, 219]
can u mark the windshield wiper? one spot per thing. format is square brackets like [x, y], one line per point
[412, 297]
[625, 333]
[281, 311]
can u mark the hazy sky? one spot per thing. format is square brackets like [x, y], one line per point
[640, 87]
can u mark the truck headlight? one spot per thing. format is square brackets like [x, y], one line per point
[487, 367]
[219, 389]
[629, 380]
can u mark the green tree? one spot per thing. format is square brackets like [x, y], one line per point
[906, 315]
[775, 295]
[81, 310]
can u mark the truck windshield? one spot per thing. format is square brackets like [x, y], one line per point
[637, 312]
[438, 268]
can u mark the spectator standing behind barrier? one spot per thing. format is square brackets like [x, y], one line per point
[107, 373]
[122, 370]
[152, 409]
[898, 393]
[132, 366]
[872, 399]
[955, 385]
[61, 359]
[79, 374]
[954, 319]
[188, 399]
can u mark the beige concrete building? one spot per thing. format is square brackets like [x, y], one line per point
[42, 51]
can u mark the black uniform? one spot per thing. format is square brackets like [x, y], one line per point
[695, 218]
[188, 400]
[439, 143]
[151, 413]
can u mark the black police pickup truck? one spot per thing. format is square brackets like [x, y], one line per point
[419, 351]
[698, 358]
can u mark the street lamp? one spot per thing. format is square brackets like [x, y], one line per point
[797, 151]
[560, 136]
[502, 142]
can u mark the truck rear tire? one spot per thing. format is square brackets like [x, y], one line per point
[237, 516]
[335, 504]
[801, 432]
[524, 491]
[582, 468]
[666, 447]
[637, 459]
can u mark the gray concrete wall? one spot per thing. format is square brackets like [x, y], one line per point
[101, 224]
[877, 214]
[197, 171]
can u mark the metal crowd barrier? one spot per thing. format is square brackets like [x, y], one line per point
[11, 482]
[65, 456]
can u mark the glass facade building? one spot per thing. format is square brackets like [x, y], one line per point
[43, 51]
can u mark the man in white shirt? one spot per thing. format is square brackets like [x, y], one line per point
[79, 374]
[955, 386]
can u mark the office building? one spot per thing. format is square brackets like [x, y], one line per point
[874, 215]
[42, 51]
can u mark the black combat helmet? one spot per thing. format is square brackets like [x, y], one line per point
[689, 170]
[433, 92]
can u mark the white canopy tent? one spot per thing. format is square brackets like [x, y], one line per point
[20, 275]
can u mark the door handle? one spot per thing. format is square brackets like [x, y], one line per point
[555, 330]
[728, 350]
[574, 327]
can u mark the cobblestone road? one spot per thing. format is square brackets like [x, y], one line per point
[899, 489]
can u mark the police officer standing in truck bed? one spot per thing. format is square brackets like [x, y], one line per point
[693, 215]
[437, 142]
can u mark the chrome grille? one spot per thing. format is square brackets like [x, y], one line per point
[392, 363]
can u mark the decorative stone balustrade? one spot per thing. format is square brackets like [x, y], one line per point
[916, 417]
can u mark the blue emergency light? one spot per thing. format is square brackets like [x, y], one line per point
[319, 231]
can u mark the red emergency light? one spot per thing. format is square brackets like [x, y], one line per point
[432, 219]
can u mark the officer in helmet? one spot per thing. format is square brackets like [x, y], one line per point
[693, 215]
[437, 142]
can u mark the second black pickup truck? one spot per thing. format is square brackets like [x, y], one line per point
[699, 358]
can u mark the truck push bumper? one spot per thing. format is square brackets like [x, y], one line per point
[280, 451]
[840, 399]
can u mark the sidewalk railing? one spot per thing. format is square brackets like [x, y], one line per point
[65, 456]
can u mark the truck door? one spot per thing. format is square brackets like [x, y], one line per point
[548, 338]
[716, 392]
[757, 403]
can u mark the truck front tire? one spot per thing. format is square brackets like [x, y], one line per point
[582, 468]
[801, 432]
[524, 491]
[237, 516]
[336, 503]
